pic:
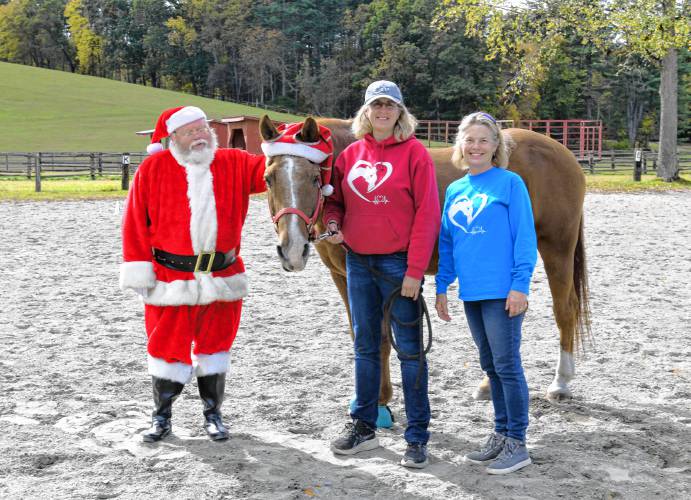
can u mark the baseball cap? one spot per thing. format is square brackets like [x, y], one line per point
[385, 89]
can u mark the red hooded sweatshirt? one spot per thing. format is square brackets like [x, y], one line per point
[385, 200]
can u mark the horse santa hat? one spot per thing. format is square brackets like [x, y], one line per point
[289, 142]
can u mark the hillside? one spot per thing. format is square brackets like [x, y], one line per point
[47, 110]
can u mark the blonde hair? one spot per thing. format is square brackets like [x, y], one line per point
[404, 128]
[501, 155]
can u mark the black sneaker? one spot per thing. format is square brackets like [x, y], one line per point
[415, 456]
[357, 436]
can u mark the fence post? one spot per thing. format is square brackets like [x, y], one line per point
[92, 166]
[29, 164]
[125, 172]
[37, 185]
[645, 162]
[100, 164]
[637, 166]
[614, 165]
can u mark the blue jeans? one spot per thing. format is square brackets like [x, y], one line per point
[498, 338]
[367, 294]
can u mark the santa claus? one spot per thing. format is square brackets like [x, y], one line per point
[181, 253]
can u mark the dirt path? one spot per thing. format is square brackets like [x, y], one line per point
[74, 390]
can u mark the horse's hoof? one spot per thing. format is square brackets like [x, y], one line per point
[385, 418]
[556, 394]
[481, 394]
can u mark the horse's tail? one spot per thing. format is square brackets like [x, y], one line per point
[580, 283]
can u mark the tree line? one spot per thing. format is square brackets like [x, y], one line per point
[535, 59]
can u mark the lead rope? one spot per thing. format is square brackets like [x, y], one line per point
[386, 326]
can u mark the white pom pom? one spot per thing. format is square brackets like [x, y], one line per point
[154, 147]
[327, 189]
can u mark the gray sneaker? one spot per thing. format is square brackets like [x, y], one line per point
[357, 436]
[514, 456]
[415, 456]
[489, 451]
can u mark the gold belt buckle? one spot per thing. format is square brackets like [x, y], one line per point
[201, 255]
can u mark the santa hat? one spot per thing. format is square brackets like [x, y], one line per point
[170, 120]
[288, 142]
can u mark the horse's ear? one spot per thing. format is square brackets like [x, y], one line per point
[310, 131]
[267, 129]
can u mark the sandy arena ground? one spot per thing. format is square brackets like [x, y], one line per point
[75, 392]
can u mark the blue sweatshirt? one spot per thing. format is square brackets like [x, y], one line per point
[487, 237]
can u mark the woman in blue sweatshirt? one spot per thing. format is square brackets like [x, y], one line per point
[488, 242]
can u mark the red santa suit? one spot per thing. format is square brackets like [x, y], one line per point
[186, 210]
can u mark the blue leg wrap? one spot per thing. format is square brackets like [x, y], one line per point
[384, 418]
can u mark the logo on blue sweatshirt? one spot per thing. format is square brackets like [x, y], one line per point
[463, 211]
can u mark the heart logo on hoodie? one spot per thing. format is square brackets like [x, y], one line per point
[470, 207]
[373, 175]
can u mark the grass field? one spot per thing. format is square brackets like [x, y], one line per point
[83, 188]
[46, 110]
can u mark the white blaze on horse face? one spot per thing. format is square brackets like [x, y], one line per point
[292, 238]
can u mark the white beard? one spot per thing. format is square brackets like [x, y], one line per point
[196, 158]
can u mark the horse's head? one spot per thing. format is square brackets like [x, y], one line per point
[294, 189]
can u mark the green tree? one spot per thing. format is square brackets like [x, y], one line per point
[34, 32]
[88, 45]
[650, 29]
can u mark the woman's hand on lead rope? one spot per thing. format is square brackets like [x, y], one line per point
[410, 287]
[442, 307]
[516, 303]
[336, 235]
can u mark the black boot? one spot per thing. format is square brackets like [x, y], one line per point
[165, 392]
[211, 389]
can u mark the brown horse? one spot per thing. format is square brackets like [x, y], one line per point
[556, 185]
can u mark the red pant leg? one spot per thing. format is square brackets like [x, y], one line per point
[170, 330]
[216, 326]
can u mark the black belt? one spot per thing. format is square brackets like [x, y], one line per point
[205, 262]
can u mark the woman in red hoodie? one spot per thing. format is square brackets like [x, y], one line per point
[385, 206]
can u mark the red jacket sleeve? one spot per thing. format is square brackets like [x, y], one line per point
[137, 269]
[334, 207]
[255, 165]
[427, 218]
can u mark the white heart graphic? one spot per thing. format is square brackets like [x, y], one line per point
[466, 205]
[368, 172]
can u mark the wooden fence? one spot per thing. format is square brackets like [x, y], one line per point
[624, 160]
[42, 166]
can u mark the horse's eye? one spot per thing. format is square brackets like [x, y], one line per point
[268, 181]
[315, 181]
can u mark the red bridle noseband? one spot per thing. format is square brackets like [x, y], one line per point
[309, 221]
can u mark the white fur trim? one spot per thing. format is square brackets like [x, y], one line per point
[210, 364]
[204, 289]
[183, 116]
[177, 372]
[137, 274]
[154, 147]
[203, 222]
[327, 190]
[301, 150]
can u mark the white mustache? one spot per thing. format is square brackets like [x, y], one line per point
[198, 142]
